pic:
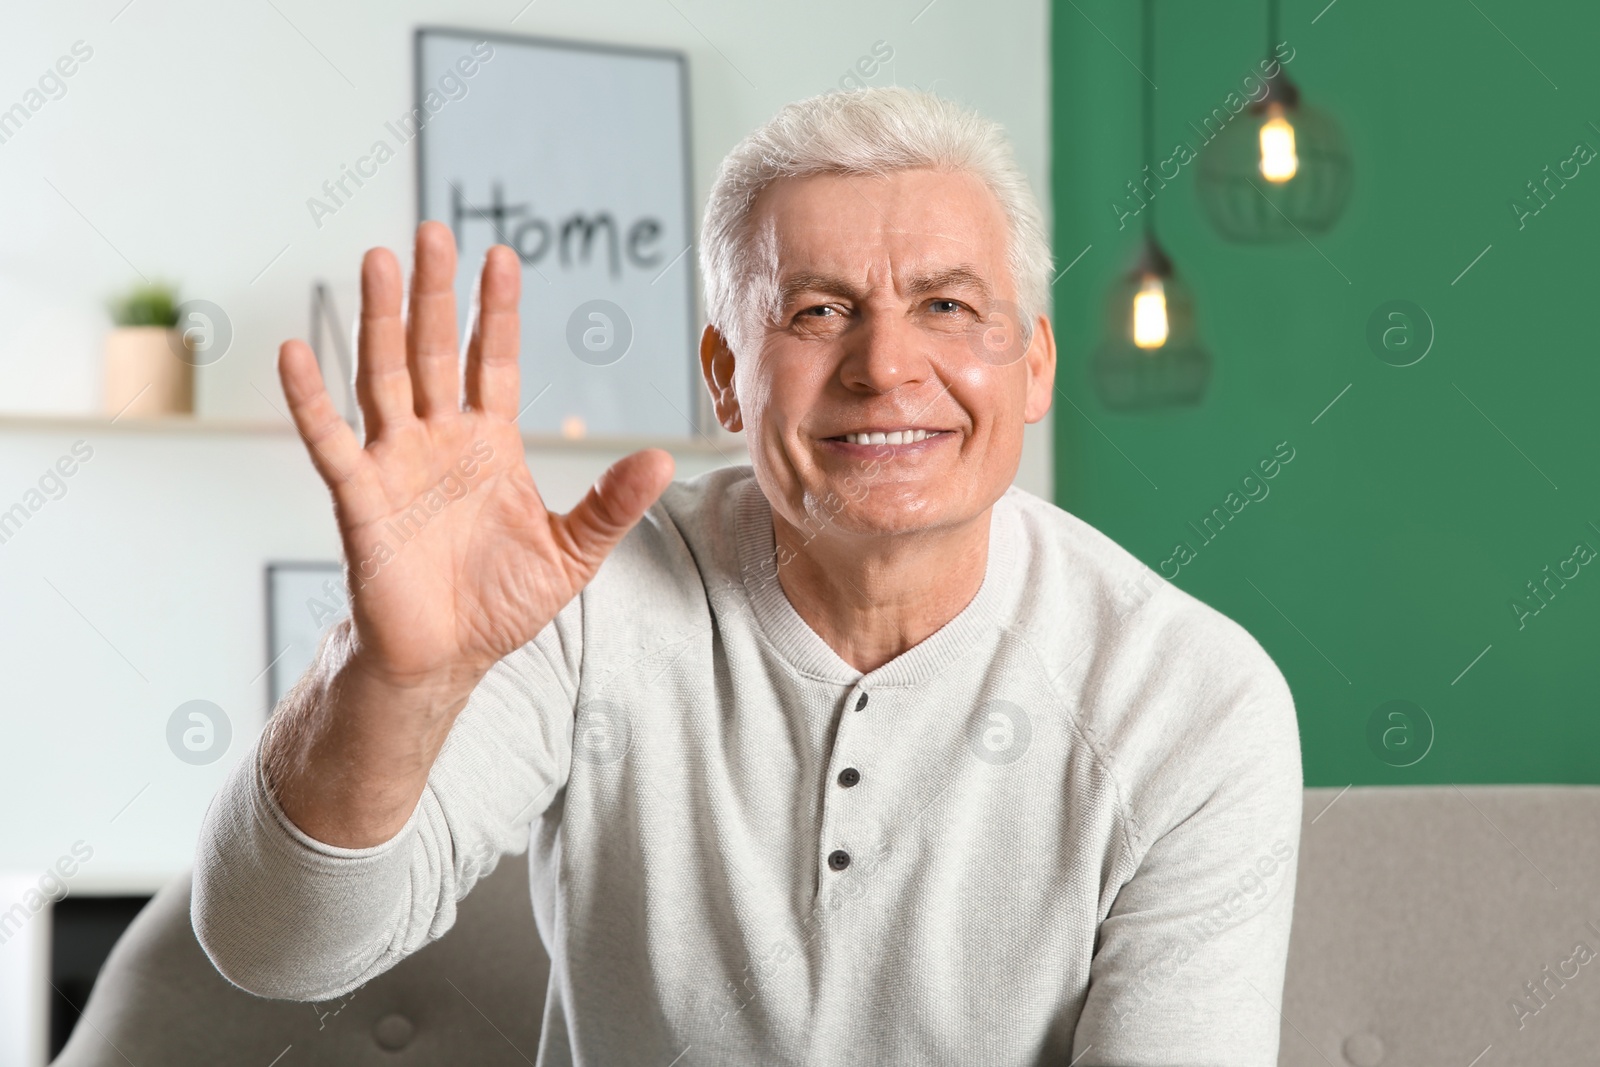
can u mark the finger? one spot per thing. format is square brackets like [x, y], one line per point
[613, 505]
[383, 384]
[493, 378]
[431, 327]
[334, 450]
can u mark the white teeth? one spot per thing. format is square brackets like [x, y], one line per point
[898, 437]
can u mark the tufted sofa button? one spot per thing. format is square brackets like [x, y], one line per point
[394, 1032]
[1363, 1050]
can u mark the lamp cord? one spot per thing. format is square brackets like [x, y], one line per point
[1272, 25]
[1147, 118]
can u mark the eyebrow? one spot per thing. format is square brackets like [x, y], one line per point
[957, 277]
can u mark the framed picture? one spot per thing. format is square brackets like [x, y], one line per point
[303, 600]
[577, 157]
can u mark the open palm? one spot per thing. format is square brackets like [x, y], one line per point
[453, 560]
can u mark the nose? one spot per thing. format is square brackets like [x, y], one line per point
[882, 354]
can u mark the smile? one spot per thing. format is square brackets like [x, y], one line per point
[888, 437]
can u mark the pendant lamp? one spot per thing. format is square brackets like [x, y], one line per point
[1151, 356]
[1278, 170]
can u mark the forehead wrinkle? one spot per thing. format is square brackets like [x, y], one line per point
[849, 180]
[888, 229]
[821, 280]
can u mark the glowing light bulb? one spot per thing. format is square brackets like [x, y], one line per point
[1150, 314]
[1278, 160]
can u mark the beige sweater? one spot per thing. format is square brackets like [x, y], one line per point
[1061, 829]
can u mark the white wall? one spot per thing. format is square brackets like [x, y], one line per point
[142, 588]
[185, 148]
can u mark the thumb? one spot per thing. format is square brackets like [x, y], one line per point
[615, 503]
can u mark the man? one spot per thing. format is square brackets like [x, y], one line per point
[855, 754]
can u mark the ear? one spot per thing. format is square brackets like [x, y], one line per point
[716, 364]
[1041, 361]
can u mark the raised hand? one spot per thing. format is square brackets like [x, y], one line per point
[452, 558]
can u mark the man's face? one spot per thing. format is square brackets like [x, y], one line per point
[896, 313]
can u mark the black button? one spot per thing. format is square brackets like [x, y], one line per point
[862, 702]
[849, 777]
[838, 859]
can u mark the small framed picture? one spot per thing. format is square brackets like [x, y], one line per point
[577, 157]
[303, 601]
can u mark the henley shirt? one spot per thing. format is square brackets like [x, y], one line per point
[1062, 829]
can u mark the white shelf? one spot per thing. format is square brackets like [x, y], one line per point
[722, 443]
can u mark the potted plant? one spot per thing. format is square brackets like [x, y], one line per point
[145, 374]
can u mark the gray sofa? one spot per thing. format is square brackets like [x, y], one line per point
[475, 996]
[1421, 913]
[1424, 912]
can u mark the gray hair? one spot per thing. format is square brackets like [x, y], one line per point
[869, 132]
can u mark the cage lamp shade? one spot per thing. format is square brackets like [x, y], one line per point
[1279, 170]
[1151, 355]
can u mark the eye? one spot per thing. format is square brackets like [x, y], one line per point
[817, 317]
[946, 306]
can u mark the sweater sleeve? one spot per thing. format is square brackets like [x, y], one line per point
[283, 915]
[1189, 962]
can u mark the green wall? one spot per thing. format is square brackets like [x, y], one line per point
[1416, 509]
